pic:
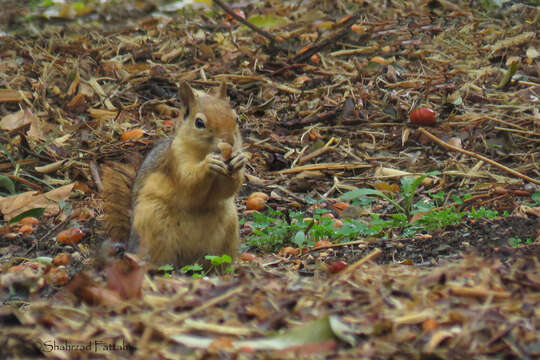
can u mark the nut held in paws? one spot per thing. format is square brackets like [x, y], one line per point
[226, 150]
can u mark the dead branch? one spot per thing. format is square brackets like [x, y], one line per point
[480, 157]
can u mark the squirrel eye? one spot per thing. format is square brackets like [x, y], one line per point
[199, 123]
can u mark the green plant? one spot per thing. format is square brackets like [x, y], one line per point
[216, 262]
[409, 185]
[167, 270]
[195, 269]
[515, 242]
[536, 198]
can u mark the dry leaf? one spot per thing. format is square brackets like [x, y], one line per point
[11, 206]
[16, 120]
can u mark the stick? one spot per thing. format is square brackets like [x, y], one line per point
[372, 255]
[480, 157]
[321, 45]
[324, 166]
[230, 11]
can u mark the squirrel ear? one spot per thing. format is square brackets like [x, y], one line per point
[186, 94]
[221, 91]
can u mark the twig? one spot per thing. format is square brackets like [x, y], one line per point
[95, 174]
[480, 157]
[230, 11]
[325, 166]
[210, 303]
[478, 292]
[327, 147]
[24, 181]
[321, 45]
[372, 255]
[356, 242]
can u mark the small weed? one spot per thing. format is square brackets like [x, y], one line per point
[515, 242]
[409, 185]
[167, 270]
[216, 262]
[276, 229]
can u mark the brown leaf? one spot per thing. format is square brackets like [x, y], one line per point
[11, 206]
[125, 276]
[16, 120]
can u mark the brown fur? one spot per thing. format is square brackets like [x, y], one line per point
[117, 183]
[181, 209]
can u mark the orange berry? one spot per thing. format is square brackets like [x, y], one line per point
[322, 243]
[256, 203]
[62, 259]
[337, 266]
[423, 116]
[70, 236]
[57, 276]
[29, 221]
[259, 195]
[247, 256]
[26, 229]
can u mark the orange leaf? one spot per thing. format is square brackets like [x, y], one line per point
[132, 134]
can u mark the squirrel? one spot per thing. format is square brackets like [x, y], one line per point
[179, 206]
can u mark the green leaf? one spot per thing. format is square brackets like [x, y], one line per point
[188, 268]
[361, 192]
[536, 197]
[508, 75]
[36, 212]
[268, 21]
[299, 239]
[167, 267]
[7, 184]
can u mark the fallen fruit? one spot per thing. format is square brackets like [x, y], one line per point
[337, 266]
[247, 256]
[62, 259]
[422, 116]
[26, 229]
[70, 236]
[57, 277]
[338, 223]
[255, 203]
[259, 195]
[322, 243]
[29, 221]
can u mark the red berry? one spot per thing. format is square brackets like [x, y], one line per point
[423, 116]
[337, 266]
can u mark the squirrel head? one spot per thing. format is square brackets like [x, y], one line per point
[208, 119]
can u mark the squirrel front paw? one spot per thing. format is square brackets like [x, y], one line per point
[238, 160]
[217, 165]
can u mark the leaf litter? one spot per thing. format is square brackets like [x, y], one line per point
[323, 92]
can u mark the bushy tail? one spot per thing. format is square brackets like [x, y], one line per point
[118, 181]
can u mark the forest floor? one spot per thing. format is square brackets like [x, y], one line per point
[398, 143]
